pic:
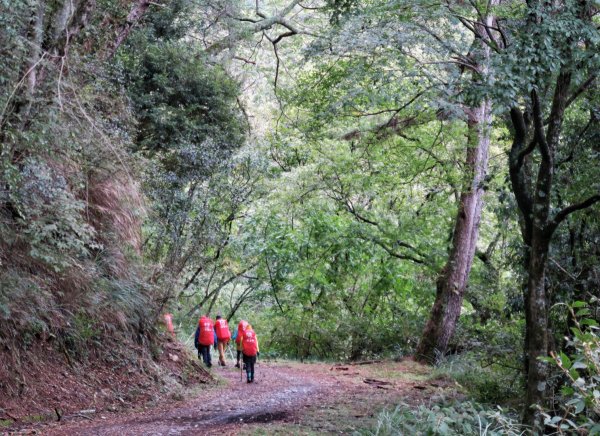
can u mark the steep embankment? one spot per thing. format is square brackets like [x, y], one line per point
[49, 385]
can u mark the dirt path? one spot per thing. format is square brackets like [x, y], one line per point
[302, 398]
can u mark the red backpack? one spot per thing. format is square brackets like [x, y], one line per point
[206, 336]
[249, 345]
[222, 329]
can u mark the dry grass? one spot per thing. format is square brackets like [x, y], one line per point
[116, 207]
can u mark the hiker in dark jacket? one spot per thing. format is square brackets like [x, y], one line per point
[249, 345]
[204, 338]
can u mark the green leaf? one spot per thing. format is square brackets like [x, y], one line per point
[573, 373]
[589, 322]
[582, 312]
[566, 362]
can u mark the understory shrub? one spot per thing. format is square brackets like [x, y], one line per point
[456, 418]
[579, 398]
[488, 382]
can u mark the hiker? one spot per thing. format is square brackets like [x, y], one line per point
[237, 337]
[223, 337]
[250, 350]
[204, 338]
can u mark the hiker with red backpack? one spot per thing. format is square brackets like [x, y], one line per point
[237, 336]
[250, 351]
[204, 338]
[223, 337]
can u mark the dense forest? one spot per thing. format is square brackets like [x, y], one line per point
[359, 178]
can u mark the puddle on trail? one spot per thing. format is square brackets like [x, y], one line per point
[262, 418]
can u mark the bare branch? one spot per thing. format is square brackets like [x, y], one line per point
[258, 26]
[393, 253]
[246, 61]
[564, 213]
[581, 89]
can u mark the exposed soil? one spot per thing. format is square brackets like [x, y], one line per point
[287, 397]
[46, 384]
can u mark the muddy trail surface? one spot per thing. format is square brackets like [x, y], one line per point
[285, 397]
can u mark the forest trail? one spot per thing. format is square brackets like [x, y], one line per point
[287, 396]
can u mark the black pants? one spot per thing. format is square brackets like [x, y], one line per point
[204, 351]
[249, 361]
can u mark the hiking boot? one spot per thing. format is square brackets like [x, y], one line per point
[237, 365]
[244, 368]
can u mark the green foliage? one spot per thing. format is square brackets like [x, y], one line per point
[70, 207]
[535, 57]
[341, 8]
[188, 125]
[487, 377]
[186, 109]
[452, 418]
[331, 295]
[51, 216]
[580, 395]
[327, 232]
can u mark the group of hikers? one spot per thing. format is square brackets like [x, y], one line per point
[217, 334]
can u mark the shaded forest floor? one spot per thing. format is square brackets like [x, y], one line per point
[287, 397]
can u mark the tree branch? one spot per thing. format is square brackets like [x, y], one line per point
[259, 26]
[350, 208]
[517, 176]
[394, 253]
[564, 213]
[538, 125]
[581, 89]
[134, 16]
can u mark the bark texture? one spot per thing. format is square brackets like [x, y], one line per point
[453, 278]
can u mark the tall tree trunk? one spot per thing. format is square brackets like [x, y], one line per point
[539, 226]
[537, 333]
[452, 280]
